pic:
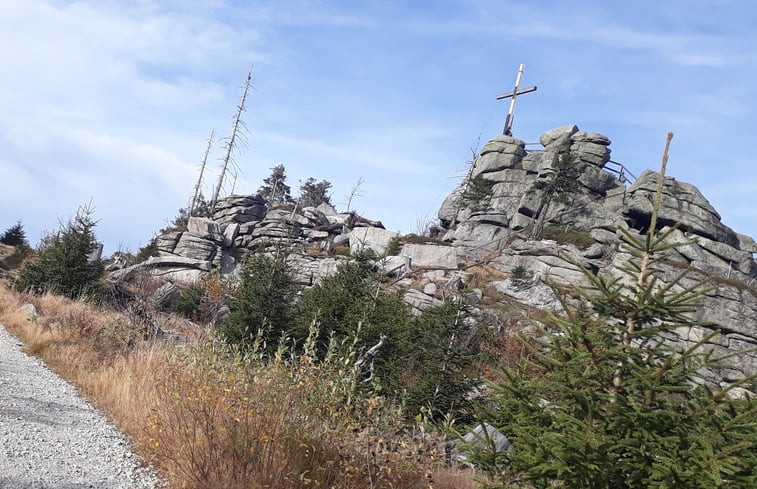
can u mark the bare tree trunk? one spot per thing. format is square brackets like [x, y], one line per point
[202, 171]
[355, 192]
[641, 280]
[541, 212]
[467, 180]
[232, 139]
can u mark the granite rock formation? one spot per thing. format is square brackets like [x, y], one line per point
[484, 240]
[587, 225]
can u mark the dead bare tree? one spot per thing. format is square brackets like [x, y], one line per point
[369, 355]
[202, 171]
[355, 192]
[232, 141]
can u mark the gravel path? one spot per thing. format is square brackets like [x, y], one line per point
[52, 439]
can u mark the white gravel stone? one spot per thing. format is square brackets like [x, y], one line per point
[51, 438]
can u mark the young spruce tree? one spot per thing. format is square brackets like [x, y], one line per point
[274, 189]
[602, 402]
[558, 187]
[14, 236]
[262, 303]
[314, 193]
[64, 264]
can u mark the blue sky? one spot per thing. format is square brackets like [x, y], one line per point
[113, 100]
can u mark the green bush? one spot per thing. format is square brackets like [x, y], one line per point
[520, 273]
[478, 193]
[426, 360]
[582, 240]
[393, 247]
[560, 186]
[340, 250]
[148, 250]
[441, 350]
[63, 264]
[263, 302]
[351, 304]
[190, 303]
[313, 193]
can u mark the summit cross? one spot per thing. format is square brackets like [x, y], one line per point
[513, 96]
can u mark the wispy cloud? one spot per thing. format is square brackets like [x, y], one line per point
[595, 25]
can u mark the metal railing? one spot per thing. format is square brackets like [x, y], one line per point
[618, 169]
[621, 171]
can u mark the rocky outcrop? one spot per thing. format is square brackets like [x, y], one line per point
[242, 223]
[484, 243]
[602, 203]
[585, 230]
[419, 300]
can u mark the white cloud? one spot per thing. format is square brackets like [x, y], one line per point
[595, 25]
[100, 100]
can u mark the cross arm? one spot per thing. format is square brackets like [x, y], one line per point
[516, 92]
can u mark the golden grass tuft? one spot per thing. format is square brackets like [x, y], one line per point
[479, 276]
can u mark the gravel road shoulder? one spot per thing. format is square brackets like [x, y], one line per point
[51, 438]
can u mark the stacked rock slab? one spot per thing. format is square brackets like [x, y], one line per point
[512, 172]
[239, 209]
[500, 153]
[241, 223]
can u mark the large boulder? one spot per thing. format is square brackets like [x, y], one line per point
[449, 209]
[326, 209]
[598, 181]
[537, 162]
[746, 243]
[196, 248]
[471, 235]
[508, 191]
[167, 242]
[370, 238]
[430, 256]
[419, 302]
[170, 267]
[682, 203]
[591, 153]
[531, 292]
[308, 270]
[205, 228]
[543, 259]
[504, 145]
[230, 234]
[558, 139]
[166, 293]
[590, 137]
[500, 153]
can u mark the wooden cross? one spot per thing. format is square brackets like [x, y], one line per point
[514, 94]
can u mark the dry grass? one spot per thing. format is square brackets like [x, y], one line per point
[91, 349]
[480, 276]
[209, 417]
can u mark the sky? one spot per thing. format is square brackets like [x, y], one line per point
[112, 102]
